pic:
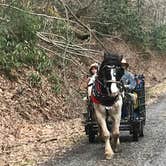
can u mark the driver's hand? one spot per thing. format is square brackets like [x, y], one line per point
[126, 86]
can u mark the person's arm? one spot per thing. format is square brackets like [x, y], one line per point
[90, 84]
[132, 81]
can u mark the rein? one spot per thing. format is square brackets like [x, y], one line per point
[111, 81]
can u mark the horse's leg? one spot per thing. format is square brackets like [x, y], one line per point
[100, 136]
[100, 132]
[115, 133]
[116, 116]
[101, 116]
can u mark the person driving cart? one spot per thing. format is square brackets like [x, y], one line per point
[128, 78]
[129, 82]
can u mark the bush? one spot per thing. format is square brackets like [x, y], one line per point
[123, 18]
[34, 80]
[7, 62]
[17, 42]
[56, 83]
[21, 27]
[159, 38]
[116, 13]
[33, 56]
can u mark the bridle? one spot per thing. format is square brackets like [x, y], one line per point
[111, 67]
[119, 83]
[101, 90]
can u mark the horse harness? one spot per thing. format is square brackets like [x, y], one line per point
[100, 93]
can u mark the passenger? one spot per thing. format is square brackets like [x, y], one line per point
[93, 74]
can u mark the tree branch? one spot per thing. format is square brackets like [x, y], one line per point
[3, 19]
[87, 28]
[36, 14]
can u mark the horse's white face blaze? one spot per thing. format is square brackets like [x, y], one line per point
[114, 88]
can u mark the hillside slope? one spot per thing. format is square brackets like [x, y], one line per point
[46, 48]
[35, 122]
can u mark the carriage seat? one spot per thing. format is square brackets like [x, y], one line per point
[138, 92]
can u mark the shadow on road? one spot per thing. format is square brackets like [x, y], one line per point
[149, 150]
[83, 148]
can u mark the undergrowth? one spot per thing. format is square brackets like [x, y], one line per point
[18, 39]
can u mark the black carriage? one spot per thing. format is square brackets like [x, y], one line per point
[133, 115]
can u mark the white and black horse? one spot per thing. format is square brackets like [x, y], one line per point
[107, 99]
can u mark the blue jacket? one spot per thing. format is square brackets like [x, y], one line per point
[129, 80]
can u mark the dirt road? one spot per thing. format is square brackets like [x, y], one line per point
[149, 151]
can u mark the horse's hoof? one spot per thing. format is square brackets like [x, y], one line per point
[116, 150]
[108, 156]
[119, 150]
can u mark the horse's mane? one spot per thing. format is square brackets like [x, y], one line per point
[111, 59]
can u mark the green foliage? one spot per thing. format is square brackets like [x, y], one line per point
[114, 13]
[7, 62]
[44, 64]
[60, 27]
[56, 83]
[18, 39]
[125, 18]
[159, 37]
[21, 27]
[34, 80]
[32, 56]
[133, 29]
[24, 54]
[122, 18]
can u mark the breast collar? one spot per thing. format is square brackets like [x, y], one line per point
[100, 96]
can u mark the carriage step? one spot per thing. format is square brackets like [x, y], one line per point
[124, 127]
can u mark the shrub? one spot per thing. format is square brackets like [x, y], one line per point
[56, 83]
[33, 56]
[123, 18]
[7, 62]
[159, 37]
[18, 39]
[34, 80]
[21, 27]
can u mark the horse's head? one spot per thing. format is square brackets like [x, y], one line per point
[110, 74]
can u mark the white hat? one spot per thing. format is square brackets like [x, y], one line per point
[94, 65]
[124, 62]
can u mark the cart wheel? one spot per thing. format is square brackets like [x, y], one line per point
[135, 133]
[141, 130]
[91, 137]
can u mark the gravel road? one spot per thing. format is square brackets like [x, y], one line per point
[148, 151]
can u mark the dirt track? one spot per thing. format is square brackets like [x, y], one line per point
[149, 151]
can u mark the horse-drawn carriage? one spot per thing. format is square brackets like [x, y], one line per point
[133, 116]
[112, 107]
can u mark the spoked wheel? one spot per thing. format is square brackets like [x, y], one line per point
[141, 134]
[91, 137]
[135, 132]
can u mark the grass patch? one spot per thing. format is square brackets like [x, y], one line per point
[56, 83]
[35, 80]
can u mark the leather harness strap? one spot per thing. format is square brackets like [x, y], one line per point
[98, 97]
